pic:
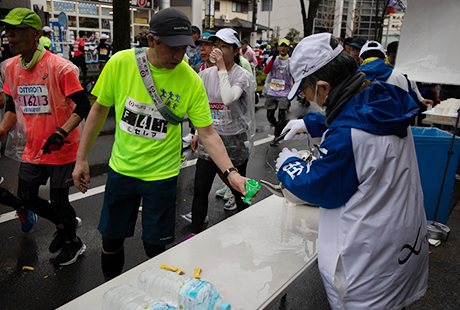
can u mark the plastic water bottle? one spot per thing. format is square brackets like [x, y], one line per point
[180, 291]
[126, 297]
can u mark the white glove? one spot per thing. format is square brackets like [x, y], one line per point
[297, 130]
[284, 155]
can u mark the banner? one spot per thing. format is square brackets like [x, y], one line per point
[209, 14]
[56, 37]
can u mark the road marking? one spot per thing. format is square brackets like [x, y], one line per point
[5, 217]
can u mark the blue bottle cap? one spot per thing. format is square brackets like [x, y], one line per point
[226, 306]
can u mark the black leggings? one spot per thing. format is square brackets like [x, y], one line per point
[58, 211]
[80, 61]
[281, 123]
[204, 177]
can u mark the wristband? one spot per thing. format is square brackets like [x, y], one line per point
[227, 172]
[62, 131]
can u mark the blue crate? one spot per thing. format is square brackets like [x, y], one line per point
[432, 147]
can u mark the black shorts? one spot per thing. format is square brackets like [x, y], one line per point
[60, 175]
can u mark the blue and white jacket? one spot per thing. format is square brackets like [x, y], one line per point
[372, 247]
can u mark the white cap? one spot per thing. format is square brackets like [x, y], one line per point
[372, 45]
[310, 55]
[228, 35]
[257, 45]
[47, 29]
[103, 37]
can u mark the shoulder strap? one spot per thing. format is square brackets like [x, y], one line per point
[144, 70]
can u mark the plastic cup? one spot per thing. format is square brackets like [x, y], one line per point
[211, 59]
[252, 187]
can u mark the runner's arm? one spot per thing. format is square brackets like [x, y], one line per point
[93, 126]
[80, 112]
[9, 118]
[216, 149]
[268, 67]
[228, 93]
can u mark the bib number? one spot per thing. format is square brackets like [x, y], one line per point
[144, 120]
[34, 99]
[221, 114]
[277, 84]
[103, 51]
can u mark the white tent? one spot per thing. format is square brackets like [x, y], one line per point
[429, 48]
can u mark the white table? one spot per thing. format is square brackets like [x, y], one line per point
[252, 257]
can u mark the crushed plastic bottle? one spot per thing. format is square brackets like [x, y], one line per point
[126, 297]
[180, 291]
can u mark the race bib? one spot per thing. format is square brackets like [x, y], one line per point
[221, 114]
[103, 51]
[34, 99]
[5, 41]
[75, 47]
[143, 119]
[277, 84]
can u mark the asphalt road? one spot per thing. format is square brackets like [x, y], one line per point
[48, 287]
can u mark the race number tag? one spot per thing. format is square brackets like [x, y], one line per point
[143, 119]
[221, 114]
[277, 84]
[34, 99]
[103, 51]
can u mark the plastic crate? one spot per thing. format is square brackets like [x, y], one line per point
[432, 147]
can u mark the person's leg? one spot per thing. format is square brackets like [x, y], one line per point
[271, 104]
[204, 176]
[112, 257]
[158, 214]
[283, 105]
[241, 205]
[65, 211]
[10, 200]
[118, 220]
[281, 121]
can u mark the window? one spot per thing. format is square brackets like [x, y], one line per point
[239, 7]
[217, 6]
[267, 5]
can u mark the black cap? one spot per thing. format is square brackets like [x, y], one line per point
[173, 27]
[195, 29]
[358, 42]
[244, 41]
[347, 41]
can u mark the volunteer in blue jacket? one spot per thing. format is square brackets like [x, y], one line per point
[372, 241]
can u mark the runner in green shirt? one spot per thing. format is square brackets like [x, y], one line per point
[145, 156]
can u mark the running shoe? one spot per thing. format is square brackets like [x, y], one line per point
[27, 218]
[221, 192]
[188, 138]
[188, 217]
[183, 161]
[230, 205]
[228, 194]
[59, 237]
[70, 252]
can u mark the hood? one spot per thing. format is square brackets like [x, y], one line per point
[376, 70]
[380, 109]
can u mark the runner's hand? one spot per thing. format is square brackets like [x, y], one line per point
[54, 143]
[297, 130]
[80, 176]
[238, 182]
[194, 143]
[284, 155]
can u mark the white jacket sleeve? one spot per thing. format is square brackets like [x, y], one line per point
[228, 93]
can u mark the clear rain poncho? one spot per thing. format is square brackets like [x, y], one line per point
[41, 104]
[234, 123]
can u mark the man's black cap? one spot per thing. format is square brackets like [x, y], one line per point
[173, 27]
[358, 42]
[347, 41]
[244, 41]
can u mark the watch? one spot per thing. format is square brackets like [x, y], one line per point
[227, 172]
